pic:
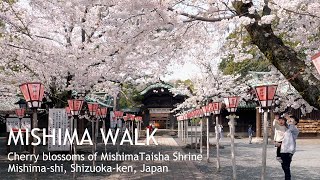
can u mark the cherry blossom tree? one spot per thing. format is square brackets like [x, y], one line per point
[92, 45]
[85, 46]
[285, 32]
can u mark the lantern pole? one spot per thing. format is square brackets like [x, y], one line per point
[232, 103]
[182, 130]
[232, 117]
[208, 144]
[196, 132]
[206, 115]
[75, 108]
[20, 113]
[185, 131]
[218, 135]
[180, 127]
[104, 130]
[265, 142]
[192, 133]
[35, 125]
[216, 109]
[132, 127]
[97, 132]
[74, 119]
[22, 135]
[201, 128]
[265, 96]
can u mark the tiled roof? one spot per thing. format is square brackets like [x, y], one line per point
[156, 85]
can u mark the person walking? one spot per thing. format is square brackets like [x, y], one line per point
[280, 127]
[250, 133]
[288, 146]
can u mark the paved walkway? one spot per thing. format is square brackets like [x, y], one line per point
[167, 145]
[305, 164]
[177, 169]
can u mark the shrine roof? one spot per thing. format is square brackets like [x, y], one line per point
[156, 85]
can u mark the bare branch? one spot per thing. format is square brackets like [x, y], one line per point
[48, 38]
[300, 13]
[200, 18]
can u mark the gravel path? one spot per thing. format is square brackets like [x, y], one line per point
[305, 164]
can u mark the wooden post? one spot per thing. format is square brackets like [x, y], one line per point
[178, 129]
[179, 125]
[132, 128]
[22, 136]
[35, 125]
[208, 144]
[187, 133]
[201, 127]
[192, 133]
[96, 134]
[233, 157]
[182, 132]
[258, 123]
[218, 134]
[93, 139]
[265, 142]
[104, 129]
[196, 133]
[74, 143]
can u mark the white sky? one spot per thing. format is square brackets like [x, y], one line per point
[187, 71]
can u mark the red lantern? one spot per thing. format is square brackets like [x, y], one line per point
[102, 112]
[205, 110]
[118, 114]
[199, 112]
[33, 93]
[210, 107]
[216, 107]
[232, 103]
[266, 94]
[138, 118]
[132, 117]
[190, 115]
[185, 116]
[93, 108]
[316, 61]
[20, 112]
[75, 106]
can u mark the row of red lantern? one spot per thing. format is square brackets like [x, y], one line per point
[34, 92]
[215, 107]
[75, 106]
[265, 95]
[131, 117]
[138, 118]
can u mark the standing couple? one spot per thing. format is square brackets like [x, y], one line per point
[286, 133]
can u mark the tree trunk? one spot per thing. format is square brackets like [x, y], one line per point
[284, 58]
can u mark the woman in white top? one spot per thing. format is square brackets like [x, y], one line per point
[279, 124]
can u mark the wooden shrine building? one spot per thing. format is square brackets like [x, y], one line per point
[158, 102]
